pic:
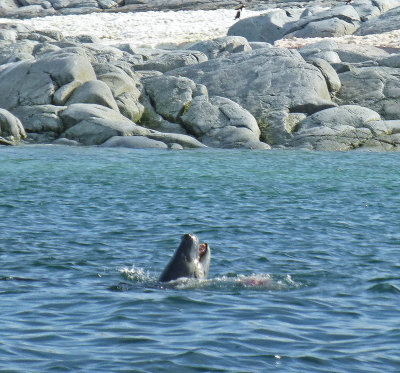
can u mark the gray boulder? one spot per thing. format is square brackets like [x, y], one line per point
[222, 46]
[334, 52]
[101, 53]
[392, 60]
[329, 73]
[76, 113]
[8, 5]
[171, 95]
[324, 49]
[95, 131]
[221, 123]
[61, 4]
[64, 141]
[109, 4]
[335, 129]
[152, 120]
[386, 135]
[170, 60]
[338, 21]
[354, 53]
[135, 142]
[388, 21]
[374, 87]
[269, 83]
[267, 27]
[171, 139]
[126, 88]
[18, 50]
[40, 118]
[30, 83]
[11, 128]
[368, 9]
[93, 92]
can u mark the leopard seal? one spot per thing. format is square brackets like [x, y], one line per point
[191, 260]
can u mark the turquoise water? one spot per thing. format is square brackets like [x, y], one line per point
[304, 274]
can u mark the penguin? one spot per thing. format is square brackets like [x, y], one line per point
[239, 9]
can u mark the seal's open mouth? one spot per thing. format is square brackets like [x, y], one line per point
[203, 249]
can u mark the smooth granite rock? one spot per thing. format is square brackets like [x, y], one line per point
[275, 25]
[172, 59]
[269, 83]
[221, 123]
[29, 83]
[135, 142]
[221, 47]
[40, 118]
[95, 131]
[125, 86]
[171, 95]
[388, 21]
[76, 113]
[335, 129]
[375, 87]
[11, 128]
[93, 92]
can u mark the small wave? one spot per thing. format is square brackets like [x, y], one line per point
[385, 288]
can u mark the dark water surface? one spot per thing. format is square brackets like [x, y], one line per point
[305, 271]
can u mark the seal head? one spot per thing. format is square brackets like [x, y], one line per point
[191, 259]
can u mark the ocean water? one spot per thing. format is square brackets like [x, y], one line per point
[304, 276]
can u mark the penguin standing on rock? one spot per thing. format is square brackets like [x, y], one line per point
[239, 9]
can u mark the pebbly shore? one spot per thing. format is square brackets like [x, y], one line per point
[304, 75]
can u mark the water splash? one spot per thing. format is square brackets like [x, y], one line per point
[136, 276]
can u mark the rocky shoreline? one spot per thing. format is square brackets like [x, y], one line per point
[236, 91]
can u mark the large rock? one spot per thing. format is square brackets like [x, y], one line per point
[93, 92]
[171, 139]
[152, 120]
[11, 128]
[338, 21]
[125, 87]
[221, 123]
[76, 113]
[95, 131]
[40, 118]
[60, 4]
[221, 47]
[270, 83]
[17, 50]
[354, 53]
[329, 73]
[368, 9]
[336, 129]
[8, 5]
[170, 60]
[387, 22]
[135, 142]
[29, 83]
[375, 87]
[263, 28]
[171, 95]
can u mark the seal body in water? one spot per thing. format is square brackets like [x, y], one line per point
[191, 259]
